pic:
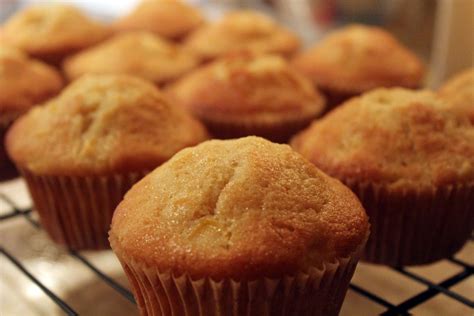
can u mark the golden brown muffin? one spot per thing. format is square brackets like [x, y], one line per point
[141, 54]
[249, 94]
[242, 31]
[24, 83]
[359, 58]
[411, 161]
[245, 210]
[172, 19]
[50, 32]
[81, 151]
[459, 93]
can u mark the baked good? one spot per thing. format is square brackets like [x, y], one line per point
[411, 162]
[231, 227]
[458, 92]
[248, 94]
[81, 151]
[141, 54]
[24, 82]
[51, 32]
[242, 31]
[359, 58]
[171, 19]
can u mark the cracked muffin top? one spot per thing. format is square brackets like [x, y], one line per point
[171, 19]
[400, 138]
[248, 88]
[99, 125]
[24, 82]
[458, 92]
[141, 54]
[238, 209]
[358, 58]
[48, 30]
[242, 31]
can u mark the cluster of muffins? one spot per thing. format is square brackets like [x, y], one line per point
[121, 156]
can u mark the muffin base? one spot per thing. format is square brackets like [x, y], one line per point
[316, 292]
[7, 168]
[77, 211]
[414, 228]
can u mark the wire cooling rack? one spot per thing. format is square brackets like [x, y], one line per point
[430, 289]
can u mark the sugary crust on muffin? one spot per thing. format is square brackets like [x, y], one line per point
[398, 138]
[24, 82]
[459, 93]
[168, 18]
[142, 54]
[359, 58]
[52, 29]
[101, 125]
[247, 88]
[238, 209]
[242, 31]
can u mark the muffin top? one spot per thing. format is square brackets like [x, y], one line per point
[24, 82]
[399, 138]
[248, 87]
[458, 92]
[51, 29]
[142, 54]
[239, 209]
[242, 31]
[168, 18]
[359, 58]
[100, 125]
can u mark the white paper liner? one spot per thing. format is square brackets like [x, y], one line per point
[77, 211]
[315, 292]
[415, 228]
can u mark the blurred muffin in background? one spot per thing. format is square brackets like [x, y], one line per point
[356, 59]
[249, 94]
[51, 32]
[142, 54]
[244, 227]
[242, 31]
[24, 82]
[81, 151]
[458, 92]
[171, 19]
[411, 162]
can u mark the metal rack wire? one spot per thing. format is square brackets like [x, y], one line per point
[431, 289]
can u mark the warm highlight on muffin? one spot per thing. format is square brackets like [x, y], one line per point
[172, 19]
[358, 58]
[458, 92]
[247, 94]
[141, 54]
[24, 82]
[50, 32]
[242, 31]
[243, 211]
[411, 161]
[80, 152]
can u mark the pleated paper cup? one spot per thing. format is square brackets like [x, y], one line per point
[413, 228]
[319, 291]
[77, 211]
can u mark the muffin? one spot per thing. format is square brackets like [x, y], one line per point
[24, 82]
[51, 32]
[170, 19]
[356, 59]
[239, 227]
[242, 31]
[81, 151]
[247, 94]
[411, 162]
[141, 54]
[458, 92]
